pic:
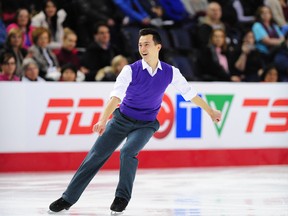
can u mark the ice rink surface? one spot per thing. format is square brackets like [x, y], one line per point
[222, 191]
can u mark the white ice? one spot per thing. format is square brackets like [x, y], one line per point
[223, 191]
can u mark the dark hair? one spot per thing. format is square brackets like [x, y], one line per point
[53, 27]
[267, 69]
[69, 66]
[153, 32]
[29, 19]
[97, 26]
[6, 57]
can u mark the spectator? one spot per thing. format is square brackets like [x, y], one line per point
[270, 74]
[248, 59]
[44, 57]
[281, 60]
[267, 34]
[68, 51]
[31, 71]
[23, 22]
[8, 67]
[215, 59]
[110, 73]
[211, 21]
[68, 73]
[69, 54]
[13, 45]
[51, 18]
[99, 54]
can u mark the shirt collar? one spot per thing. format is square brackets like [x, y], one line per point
[146, 66]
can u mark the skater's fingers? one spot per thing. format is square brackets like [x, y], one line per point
[101, 131]
[95, 128]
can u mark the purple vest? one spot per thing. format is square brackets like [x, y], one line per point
[145, 92]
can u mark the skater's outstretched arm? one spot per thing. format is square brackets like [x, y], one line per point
[214, 114]
[100, 126]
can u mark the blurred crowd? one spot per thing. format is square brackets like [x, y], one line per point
[92, 40]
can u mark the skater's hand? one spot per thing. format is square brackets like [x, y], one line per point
[215, 116]
[99, 127]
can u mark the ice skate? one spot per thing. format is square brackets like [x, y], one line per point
[59, 205]
[118, 206]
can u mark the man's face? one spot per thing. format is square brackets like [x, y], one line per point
[214, 11]
[103, 35]
[147, 48]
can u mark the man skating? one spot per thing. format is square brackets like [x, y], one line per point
[139, 88]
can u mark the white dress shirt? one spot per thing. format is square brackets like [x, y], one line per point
[178, 81]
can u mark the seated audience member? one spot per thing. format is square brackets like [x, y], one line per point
[68, 52]
[23, 22]
[99, 54]
[281, 60]
[44, 57]
[248, 59]
[268, 35]
[110, 73]
[13, 45]
[31, 71]
[270, 74]
[68, 73]
[51, 18]
[211, 21]
[8, 67]
[215, 59]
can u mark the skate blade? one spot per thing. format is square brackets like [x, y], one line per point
[54, 213]
[51, 212]
[116, 213]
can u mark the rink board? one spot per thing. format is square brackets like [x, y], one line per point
[48, 126]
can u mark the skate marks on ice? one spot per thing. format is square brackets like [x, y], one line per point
[257, 191]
